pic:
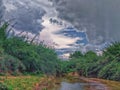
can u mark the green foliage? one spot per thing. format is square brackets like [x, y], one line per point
[76, 54]
[17, 55]
[111, 65]
[91, 56]
[84, 64]
[3, 33]
[34, 57]
[110, 71]
[9, 64]
[106, 66]
[49, 62]
[23, 51]
[1, 51]
[67, 66]
[113, 51]
[3, 87]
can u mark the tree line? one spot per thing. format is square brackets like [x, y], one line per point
[106, 66]
[17, 56]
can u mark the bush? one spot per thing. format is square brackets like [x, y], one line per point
[36, 58]
[9, 64]
[3, 87]
[110, 71]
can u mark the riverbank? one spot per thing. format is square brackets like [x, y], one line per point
[48, 83]
[106, 84]
[111, 85]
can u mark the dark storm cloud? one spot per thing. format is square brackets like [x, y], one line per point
[2, 8]
[101, 18]
[28, 18]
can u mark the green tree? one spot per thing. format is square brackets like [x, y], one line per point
[76, 54]
[3, 33]
[113, 51]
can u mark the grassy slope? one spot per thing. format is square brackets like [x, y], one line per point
[21, 82]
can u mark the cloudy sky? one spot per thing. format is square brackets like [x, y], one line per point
[66, 23]
[41, 17]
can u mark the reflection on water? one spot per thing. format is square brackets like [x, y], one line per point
[70, 86]
[81, 86]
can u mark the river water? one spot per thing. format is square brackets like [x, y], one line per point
[80, 86]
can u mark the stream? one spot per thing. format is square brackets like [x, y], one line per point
[81, 86]
[75, 83]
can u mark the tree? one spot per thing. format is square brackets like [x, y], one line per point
[76, 54]
[3, 32]
[90, 55]
[113, 51]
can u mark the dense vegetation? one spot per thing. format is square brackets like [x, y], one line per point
[20, 57]
[106, 66]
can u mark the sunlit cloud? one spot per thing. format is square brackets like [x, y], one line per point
[41, 17]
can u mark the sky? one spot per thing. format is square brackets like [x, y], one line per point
[41, 17]
[2, 9]
[66, 24]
